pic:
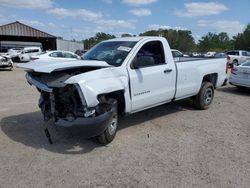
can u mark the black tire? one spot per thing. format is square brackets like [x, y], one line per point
[11, 67]
[241, 88]
[205, 96]
[16, 59]
[109, 134]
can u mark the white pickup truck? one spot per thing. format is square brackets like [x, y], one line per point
[120, 76]
[237, 57]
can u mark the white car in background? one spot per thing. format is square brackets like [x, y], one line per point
[6, 62]
[236, 57]
[55, 55]
[240, 75]
[210, 54]
[12, 52]
[27, 52]
[196, 54]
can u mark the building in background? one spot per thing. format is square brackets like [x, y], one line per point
[71, 46]
[19, 35]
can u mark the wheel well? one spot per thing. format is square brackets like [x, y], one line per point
[119, 96]
[211, 78]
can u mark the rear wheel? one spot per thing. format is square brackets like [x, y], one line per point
[109, 134]
[205, 96]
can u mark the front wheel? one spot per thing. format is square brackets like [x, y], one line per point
[205, 96]
[109, 134]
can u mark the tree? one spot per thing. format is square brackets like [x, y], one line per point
[177, 39]
[127, 35]
[150, 33]
[242, 40]
[215, 42]
[88, 43]
[184, 41]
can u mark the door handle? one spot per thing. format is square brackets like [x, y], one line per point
[167, 70]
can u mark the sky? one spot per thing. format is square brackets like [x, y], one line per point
[81, 19]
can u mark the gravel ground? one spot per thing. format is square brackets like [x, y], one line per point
[173, 145]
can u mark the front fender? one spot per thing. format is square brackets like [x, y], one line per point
[101, 81]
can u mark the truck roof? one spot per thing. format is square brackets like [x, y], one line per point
[136, 39]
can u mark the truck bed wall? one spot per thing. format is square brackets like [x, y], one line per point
[191, 73]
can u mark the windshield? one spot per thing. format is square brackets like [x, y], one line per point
[114, 53]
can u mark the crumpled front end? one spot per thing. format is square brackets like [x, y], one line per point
[65, 104]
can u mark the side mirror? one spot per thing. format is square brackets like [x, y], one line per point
[143, 61]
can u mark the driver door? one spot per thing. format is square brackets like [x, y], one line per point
[152, 79]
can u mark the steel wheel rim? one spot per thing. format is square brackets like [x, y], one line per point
[113, 125]
[208, 96]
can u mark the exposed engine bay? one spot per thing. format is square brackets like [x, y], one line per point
[65, 103]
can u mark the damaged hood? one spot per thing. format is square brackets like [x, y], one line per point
[58, 65]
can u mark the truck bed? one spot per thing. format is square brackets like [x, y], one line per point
[191, 72]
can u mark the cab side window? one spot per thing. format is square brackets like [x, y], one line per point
[150, 54]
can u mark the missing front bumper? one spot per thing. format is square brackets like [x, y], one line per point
[89, 127]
